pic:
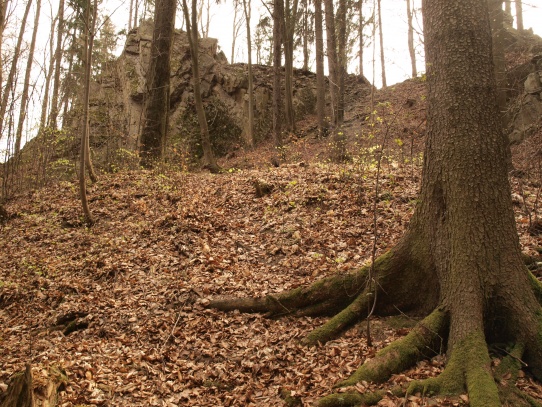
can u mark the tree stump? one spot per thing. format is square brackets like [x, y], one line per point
[28, 389]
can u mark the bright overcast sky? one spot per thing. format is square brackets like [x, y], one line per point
[394, 24]
[395, 35]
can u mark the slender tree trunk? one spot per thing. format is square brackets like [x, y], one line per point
[496, 17]
[156, 110]
[250, 128]
[3, 11]
[305, 34]
[290, 20]
[332, 60]
[320, 80]
[508, 7]
[381, 37]
[53, 117]
[135, 13]
[237, 23]
[13, 69]
[130, 14]
[89, 43]
[209, 159]
[88, 159]
[411, 40]
[278, 12]
[67, 92]
[342, 60]
[26, 85]
[208, 19]
[361, 40]
[48, 77]
[519, 15]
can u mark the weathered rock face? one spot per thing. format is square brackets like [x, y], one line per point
[120, 95]
[525, 115]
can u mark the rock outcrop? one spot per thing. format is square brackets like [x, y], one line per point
[526, 112]
[117, 100]
[524, 55]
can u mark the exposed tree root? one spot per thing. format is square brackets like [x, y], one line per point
[315, 299]
[537, 287]
[351, 399]
[506, 374]
[341, 321]
[28, 389]
[467, 369]
[426, 339]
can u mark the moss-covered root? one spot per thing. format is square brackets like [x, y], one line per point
[506, 374]
[323, 297]
[468, 369]
[351, 399]
[537, 287]
[344, 319]
[421, 342]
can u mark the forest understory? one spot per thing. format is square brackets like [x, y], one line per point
[121, 306]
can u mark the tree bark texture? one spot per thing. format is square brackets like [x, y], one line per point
[156, 110]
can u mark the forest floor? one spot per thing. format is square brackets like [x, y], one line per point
[134, 286]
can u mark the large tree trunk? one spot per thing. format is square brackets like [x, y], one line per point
[459, 262]
[154, 133]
